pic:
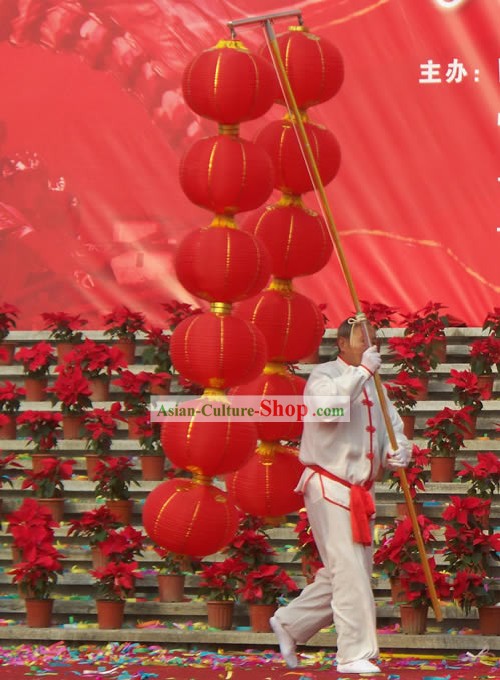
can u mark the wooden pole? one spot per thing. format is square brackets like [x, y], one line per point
[318, 184]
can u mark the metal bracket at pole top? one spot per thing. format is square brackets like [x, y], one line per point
[262, 19]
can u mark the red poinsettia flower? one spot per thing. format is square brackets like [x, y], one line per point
[114, 476]
[137, 388]
[64, 327]
[446, 430]
[38, 574]
[124, 544]
[178, 311]
[462, 509]
[96, 359]
[72, 389]
[265, 584]
[48, 481]
[10, 397]
[220, 580]
[403, 391]
[31, 525]
[8, 316]
[95, 525]
[466, 389]
[484, 353]
[37, 359]
[414, 582]
[6, 463]
[123, 323]
[413, 353]
[116, 580]
[378, 314]
[491, 322]
[40, 427]
[484, 478]
[101, 425]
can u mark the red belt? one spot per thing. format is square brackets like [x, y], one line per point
[362, 506]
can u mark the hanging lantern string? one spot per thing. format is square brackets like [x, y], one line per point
[297, 119]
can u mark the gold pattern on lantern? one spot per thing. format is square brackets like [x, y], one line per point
[229, 130]
[281, 285]
[198, 477]
[291, 199]
[224, 221]
[231, 44]
[218, 383]
[221, 308]
[215, 395]
[266, 452]
[273, 367]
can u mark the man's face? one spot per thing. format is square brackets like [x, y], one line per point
[352, 351]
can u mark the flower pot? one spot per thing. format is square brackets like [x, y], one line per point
[408, 425]
[470, 433]
[128, 349]
[485, 384]
[39, 613]
[110, 613]
[63, 349]
[91, 460]
[260, 615]
[413, 619]
[99, 559]
[71, 426]
[423, 392]
[220, 614]
[37, 460]
[402, 509]
[163, 388]
[171, 587]
[133, 431]
[442, 468]
[397, 590]
[35, 389]
[7, 356]
[9, 430]
[153, 467]
[438, 349]
[489, 620]
[55, 506]
[99, 389]
[122, 509]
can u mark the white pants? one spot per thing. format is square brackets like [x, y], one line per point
[341, 591]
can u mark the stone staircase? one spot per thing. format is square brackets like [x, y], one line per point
[183, 625]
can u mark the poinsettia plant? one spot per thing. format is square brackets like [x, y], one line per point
[491, 322]
[483, 479]
[473, 589]
[417, 472]
[251, 543]
[378, 314]
[7, 462]
[124, 324]
[71, 388]
[446, 430]
[178, 311]
[171, 562]
[466, 389]
[114, 477]
[265, 584]
[149, 436]
[414, 583]
[30, 525]
[413, 353]
[123, 544]
[403, 392]
[94, 525]
[137, 389]
[38, 575]
[8, 319]
[40, 428]
[398, 543]
[100, 427]
[96, 359]
[428, 320]
[10, 397]
[219, 580]
[157, 350]
[48, 481]
[484, 354]
[115, 581]
[64, 327]
[37, 359]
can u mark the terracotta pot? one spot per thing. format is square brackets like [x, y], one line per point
[423, 393]
[9, 430]
[220, 614]
[162, 389]
[397, 590]
[8, 353]
[133, 432]
[99, 559]
[260, 615]
[409, 425]
[122, 509]
[402, 508]
[39, 613]
[35, 389]
[99, 389]
[91, 460]
[153, 467]
[471, 429]
[442, 468]
[36, 460]
[55, 506]
[63, 349]
[413, 619]
[489, 620]
[171, 587]
[438, 348]
[71, 426]
[128, 349]
[485, 383]
[110, 613]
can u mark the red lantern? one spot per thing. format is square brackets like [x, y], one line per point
[291, 323]
[208, 447]
[274, 383]
[226, 174]
[189, 517]
[222, 264]
[265, 485]
[229, 84]
[297, 238]
[217, 350]
[314, 66]
[279, 139]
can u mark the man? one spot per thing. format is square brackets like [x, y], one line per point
[342, 460]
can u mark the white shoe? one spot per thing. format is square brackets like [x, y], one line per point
[286, 643]
[361, 666]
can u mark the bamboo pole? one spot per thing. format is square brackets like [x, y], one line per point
[318, 184]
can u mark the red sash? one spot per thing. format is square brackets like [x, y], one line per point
[362, 506]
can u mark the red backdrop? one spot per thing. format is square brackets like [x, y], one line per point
[415, 200]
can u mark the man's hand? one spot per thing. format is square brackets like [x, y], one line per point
[371, 359]
[399, 458]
